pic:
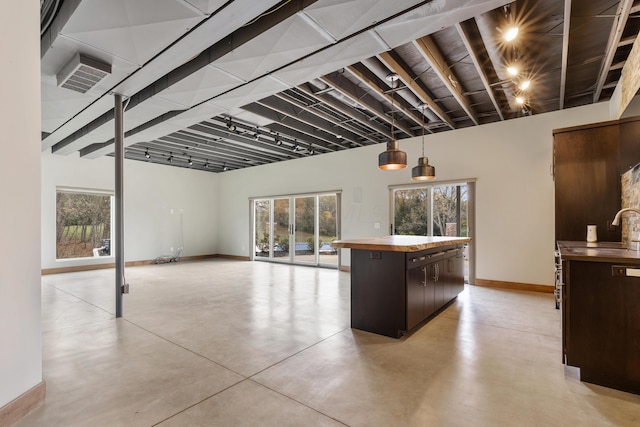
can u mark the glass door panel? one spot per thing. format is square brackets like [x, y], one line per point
[281, 229]
[450, 211]
[327, 229]
[262, 214]
[304, 230]
[411, 211]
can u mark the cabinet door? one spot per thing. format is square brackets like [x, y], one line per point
[587, 182]
[440, 284]
[455, 275]
[430, 290]
[416, 282]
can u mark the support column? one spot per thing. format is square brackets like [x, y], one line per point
[119, 215]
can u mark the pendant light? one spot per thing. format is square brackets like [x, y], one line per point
[392, 158]
[424, 171]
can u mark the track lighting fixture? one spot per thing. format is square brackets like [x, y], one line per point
[231, 126]
[224, 167]
[190, 161]
[278, 140]
[392, 157]
[146, 154]
[206, 164]
[170, 157]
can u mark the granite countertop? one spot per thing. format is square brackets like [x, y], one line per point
[614, 252]
[399, 243]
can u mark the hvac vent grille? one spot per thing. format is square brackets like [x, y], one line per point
[82, 73]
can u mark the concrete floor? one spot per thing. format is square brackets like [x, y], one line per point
[232, 343]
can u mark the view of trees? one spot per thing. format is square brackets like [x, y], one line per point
[304, 211]
[413, 210]
[82, 222]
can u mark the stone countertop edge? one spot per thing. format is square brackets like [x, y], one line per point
[613, 252]
[399, 243]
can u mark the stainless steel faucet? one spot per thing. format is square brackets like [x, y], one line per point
[616, 219]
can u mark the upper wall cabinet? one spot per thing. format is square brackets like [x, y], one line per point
[588, 163]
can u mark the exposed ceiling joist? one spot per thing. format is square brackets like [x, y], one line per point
[340, 126]
[411, 81]
[308, 132]
[357, 95]
[463, 31]
[360, 117]
[566, 28]
[369, 81]
[293, 111]
[432, 55]
[619, 22]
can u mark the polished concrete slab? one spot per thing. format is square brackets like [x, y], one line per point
[233, 343]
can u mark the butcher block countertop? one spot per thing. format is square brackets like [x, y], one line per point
[399, 243]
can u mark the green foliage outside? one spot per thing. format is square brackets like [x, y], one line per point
[304, 210]
[413, 212]
[82, 221]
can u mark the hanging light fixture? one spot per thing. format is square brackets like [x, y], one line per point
[392, 157]
[424, 171]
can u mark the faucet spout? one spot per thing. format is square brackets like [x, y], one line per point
[616, 219]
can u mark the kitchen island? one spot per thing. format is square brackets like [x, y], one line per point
[601, 312]
[397, 282]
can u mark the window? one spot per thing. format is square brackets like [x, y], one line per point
[431, 211]
[83, 224]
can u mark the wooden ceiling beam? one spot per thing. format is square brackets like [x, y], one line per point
[432, 55]
[619, 22]
[350, 90]
[566, 28]
[383, 92]
[410, 81]
[463, 31]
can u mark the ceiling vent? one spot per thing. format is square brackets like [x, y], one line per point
[82, 73]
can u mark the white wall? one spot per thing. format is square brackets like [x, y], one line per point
[20, 342]
[511, 161]
[151, 193]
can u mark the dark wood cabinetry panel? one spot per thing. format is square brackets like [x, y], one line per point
[629, 144]
[602, 324]
[587, 182]
[393, 292]
[416, 285]
[588, 163]
[378, 292]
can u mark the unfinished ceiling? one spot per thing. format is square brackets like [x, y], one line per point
[217, 85]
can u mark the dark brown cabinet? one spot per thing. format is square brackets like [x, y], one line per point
[393, 292]
[588, 162]
[601, 330]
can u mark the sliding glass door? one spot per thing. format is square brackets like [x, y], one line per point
[296, 229]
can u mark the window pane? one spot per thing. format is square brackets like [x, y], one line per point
[412, 212]
[83, 225]
[281, 228]
[449, 210]
[262, 213]
[328, 220]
